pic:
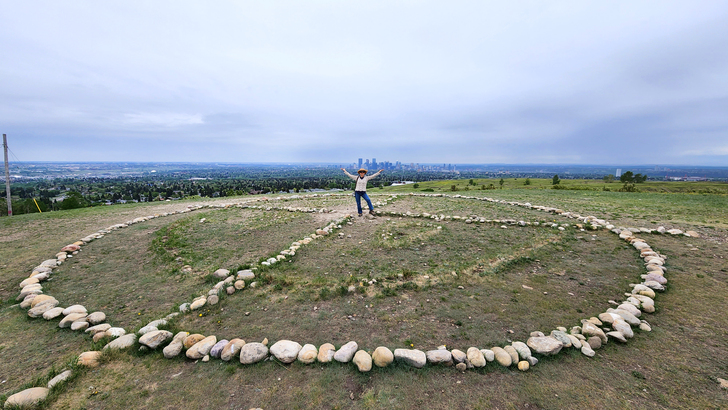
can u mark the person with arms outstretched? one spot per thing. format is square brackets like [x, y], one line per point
[361, 188]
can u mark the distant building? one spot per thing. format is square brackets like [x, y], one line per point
[618, 173]
[360, 162]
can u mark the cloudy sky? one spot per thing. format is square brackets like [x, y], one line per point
[556, 82]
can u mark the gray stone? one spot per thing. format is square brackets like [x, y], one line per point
[123, 342]
[155, 338]
[201, 348]
[79, 325]
[213, 300]
[66, 321]
[253, 352]
[561, 337]
[28, 397]
[588, 329]
[458, 356]
[232, 349]
[221, 273]
[624, 328]
[476, 357]
[346, 352]
[286, 351]
[59, 379]
[41, 309]
[618, 336]
[75, 309]
[586, 350]
[308, 354]
[326, 353]
[216, 350]
[523, 351]
[96, 317]
[546, 345]
[595, 342]
[412, 357]
[502, 357]
[146, 329]
[246, 274]
[440, 356]
[173, 349]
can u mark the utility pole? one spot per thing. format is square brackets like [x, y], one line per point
[7, 176]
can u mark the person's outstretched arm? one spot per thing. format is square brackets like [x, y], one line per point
[375, 175]
[349, 175]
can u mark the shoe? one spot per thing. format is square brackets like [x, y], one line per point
[359, 214]
[371, 212]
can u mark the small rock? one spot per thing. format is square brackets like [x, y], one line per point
[239, 284]
[363, 361]
[27, 398]
[458, 356]
[212, 300]
[476, 357]
[382, 356]
[216, 349]
[286, 351]
[326, 353]
[123, 342]
[201, 348]
[346, 352]
[488, 354]
[440, 356]
[96, 318]
[221, 273]
[74, 309]
[155, 338]
[232, 349]
[512, 352]
[545, 345]
[59, 379]
[523, 365]
[594, 342]
[618, 336]
[89, 359]
[253, 352]
[523, 351]
[79, 325]
[586, 349]
[462, 367]
[412, 357]
[198, 303]
[502, 357]
[191, 340]
[308, 354]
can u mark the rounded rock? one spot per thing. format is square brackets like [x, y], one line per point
[363, 361]
[476, 357]
[286, 351]
[382, 356]
[502, 357]
[346, 352]
[307, 354]
[326, 353]
[201, 348]
[232, 349]
[523, 365]
[28, 397]
[253, 352]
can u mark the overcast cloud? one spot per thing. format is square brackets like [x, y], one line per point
[591, 82]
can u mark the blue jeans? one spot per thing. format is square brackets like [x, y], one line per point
[358, 195]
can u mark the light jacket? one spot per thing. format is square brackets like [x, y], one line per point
[361, 183]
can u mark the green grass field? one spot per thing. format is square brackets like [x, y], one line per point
[507, 283]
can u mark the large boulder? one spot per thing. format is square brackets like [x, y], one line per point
[545, 345]
[346, 352]
[201, 348]
[155, 338]
[253, 352]
[412, 357]
[382, 356]
[285, 351]
[27, 398]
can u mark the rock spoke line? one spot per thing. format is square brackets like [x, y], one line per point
[615, 323]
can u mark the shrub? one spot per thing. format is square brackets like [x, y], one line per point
[555, 180]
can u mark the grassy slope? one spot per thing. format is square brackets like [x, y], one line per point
[675, 366]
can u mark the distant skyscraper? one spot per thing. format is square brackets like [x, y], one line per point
[374, 162]
[618, 173]
[360, 162]
[366, 163]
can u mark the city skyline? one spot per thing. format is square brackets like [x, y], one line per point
[573, 82]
